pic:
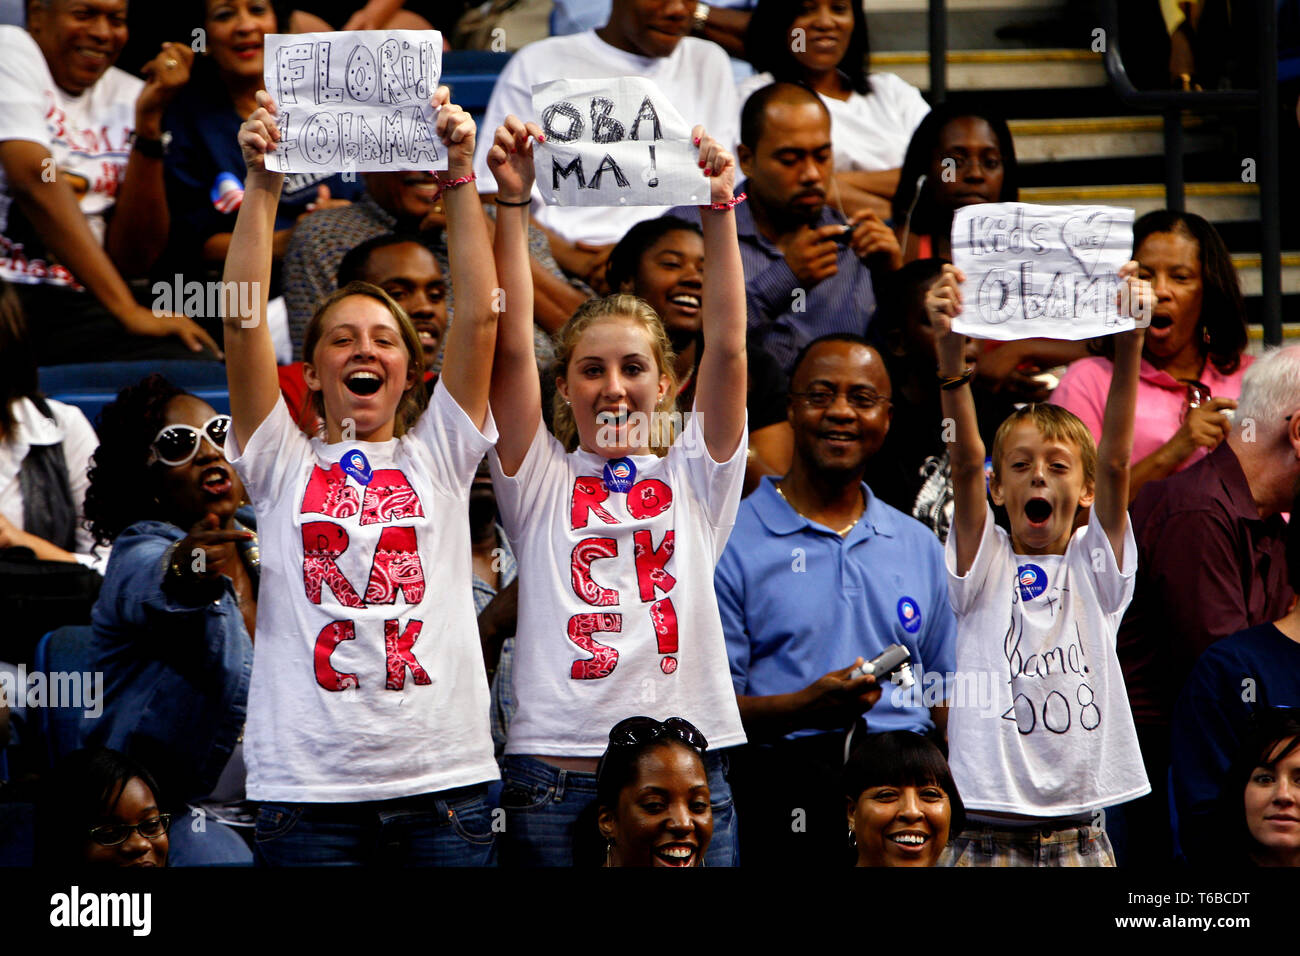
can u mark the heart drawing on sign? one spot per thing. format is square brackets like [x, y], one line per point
[1086, 238]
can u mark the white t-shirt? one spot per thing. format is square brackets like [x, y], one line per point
[88, 136]
[79, 442]
[696, 79]
[368, 680]
[1040, 723]
[617, 613]
[868, 133]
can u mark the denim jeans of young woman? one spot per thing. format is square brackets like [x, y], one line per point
[447, 828]
[545, 806]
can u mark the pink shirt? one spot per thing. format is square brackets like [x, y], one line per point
[1160, 400]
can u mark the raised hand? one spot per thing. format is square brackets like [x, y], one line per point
[457, 131]
[718, 164]
[511, 158]
[259, 134]
[1136, 297]
[943, 302]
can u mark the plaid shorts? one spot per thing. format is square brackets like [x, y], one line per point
[1030, 846]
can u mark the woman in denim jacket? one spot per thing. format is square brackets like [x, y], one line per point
[172, 629]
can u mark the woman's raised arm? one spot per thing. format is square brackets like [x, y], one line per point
[250, 354]
[720, 394]
[516, 390]
[467, 367]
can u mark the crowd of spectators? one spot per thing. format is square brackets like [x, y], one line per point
[430, 548]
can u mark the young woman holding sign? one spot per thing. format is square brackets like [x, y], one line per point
[368, 709]
[617, 526]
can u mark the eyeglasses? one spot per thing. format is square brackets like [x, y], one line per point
[987, 163]
[177, 445]
[635, 731]
[115, 834]
[863, 399]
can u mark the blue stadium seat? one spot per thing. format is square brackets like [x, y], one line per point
[61, 729]
[13, 13]
[471, 74]
[92, 386]
[17, 834]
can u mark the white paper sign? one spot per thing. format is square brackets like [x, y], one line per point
[356, 101]
[1048, 271]
[616, 141]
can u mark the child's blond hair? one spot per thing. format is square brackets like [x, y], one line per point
[1054, 423]
[612, 307]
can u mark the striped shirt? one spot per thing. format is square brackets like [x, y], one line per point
[783, 316]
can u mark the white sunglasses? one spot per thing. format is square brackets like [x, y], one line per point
[177, 445]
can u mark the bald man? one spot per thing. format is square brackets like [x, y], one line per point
[808, 270]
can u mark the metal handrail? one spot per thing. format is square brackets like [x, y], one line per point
[1172, 102]
[938, 34]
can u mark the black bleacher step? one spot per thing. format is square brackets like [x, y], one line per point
[1242, 235]
[1255, 309]
[1044, 103]
[1208, 167]
[971, 30]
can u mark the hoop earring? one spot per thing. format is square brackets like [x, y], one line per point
[1205, 334]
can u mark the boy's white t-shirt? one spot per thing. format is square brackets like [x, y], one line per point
[1040, 723]
[368, 679]
[617, 612]
[88, 137]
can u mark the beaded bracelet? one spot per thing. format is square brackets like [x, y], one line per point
[957, 381]
[444, 186]
[725, 204]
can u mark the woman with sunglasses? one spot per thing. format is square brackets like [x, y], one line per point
[652, 794]
[368, 734]
[173, 625]
[102, 809]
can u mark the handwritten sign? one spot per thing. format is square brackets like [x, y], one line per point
[1048, 271]
[356, 101]
[614, 142]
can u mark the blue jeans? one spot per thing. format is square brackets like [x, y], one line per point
[214, 845]
[447, 828]
[546, 808]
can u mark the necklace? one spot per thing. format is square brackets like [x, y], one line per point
[842, 532]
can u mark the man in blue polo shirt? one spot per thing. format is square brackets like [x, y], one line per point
[818, 575]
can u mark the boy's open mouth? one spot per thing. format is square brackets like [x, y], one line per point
[1038, 511]
[363, 383]
[1161, 321]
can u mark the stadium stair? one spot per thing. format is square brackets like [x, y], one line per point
[1076, 142]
